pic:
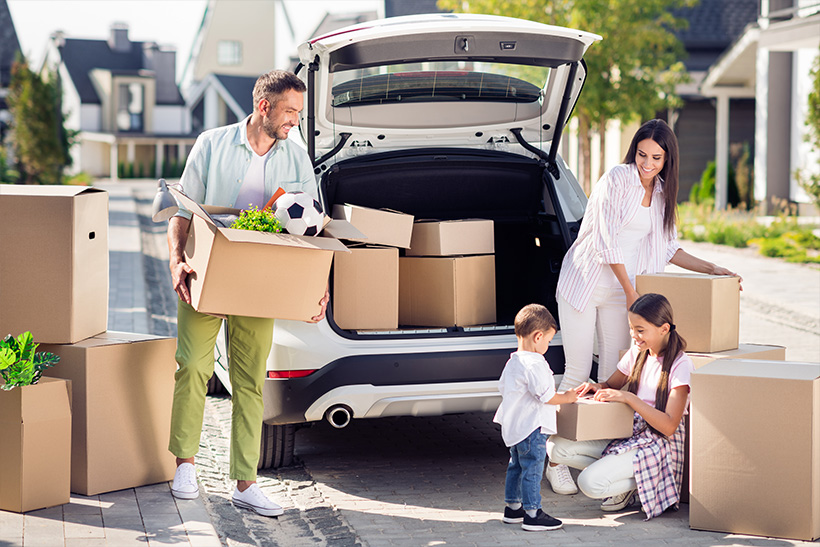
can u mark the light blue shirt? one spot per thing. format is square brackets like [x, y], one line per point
[217, 164]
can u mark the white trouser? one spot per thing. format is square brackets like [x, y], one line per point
[606, 316]
[601, 477]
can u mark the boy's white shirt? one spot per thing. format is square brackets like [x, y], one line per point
[526, 384]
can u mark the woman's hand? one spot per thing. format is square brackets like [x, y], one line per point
[720, 270]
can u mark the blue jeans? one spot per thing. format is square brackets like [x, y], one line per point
[525, 470]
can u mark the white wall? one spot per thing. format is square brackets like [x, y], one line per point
[169, 120]
[803, 156]
[91, 117]
[95, 158]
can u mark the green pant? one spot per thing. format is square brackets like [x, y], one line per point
[249, 341]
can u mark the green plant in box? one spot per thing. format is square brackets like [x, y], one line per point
[20, 363]
[260, 221]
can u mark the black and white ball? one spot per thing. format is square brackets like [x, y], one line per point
[299, 214]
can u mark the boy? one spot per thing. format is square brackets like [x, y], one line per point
[527, 417]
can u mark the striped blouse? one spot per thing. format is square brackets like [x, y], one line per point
[613, 203]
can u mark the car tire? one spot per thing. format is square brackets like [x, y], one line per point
[277, 446]
[215, 386]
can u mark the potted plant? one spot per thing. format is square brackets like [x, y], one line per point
[35, 425]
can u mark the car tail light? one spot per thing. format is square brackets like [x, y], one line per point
[289, 373]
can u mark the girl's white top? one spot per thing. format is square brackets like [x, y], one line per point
[679, 374]
[612, 205]
[526, 384]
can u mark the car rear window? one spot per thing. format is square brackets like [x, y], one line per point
[437, 82]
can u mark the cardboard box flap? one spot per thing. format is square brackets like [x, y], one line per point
[47, 190]
[192, 206]
[288, 240]
[690, 275]
[761, 369]
[216, 210]
[116, 337]
[342, 229]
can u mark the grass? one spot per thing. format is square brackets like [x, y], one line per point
[783, 237]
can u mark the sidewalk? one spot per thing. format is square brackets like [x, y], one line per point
[149, 515]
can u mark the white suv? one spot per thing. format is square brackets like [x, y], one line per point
[439, 116]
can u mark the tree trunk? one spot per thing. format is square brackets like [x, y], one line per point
[602, 166]
[585, 153]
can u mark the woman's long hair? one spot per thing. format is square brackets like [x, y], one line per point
[658, 131]
[655, 309]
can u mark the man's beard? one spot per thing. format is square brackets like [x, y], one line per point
[272, 131]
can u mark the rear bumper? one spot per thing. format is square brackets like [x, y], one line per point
[408, 384]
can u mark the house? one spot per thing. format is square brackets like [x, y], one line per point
[771, 62]
[9, 48]
[235, 44]
[123, 99]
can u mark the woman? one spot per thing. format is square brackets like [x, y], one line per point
[628, 229]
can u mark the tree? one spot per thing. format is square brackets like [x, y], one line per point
[810, 182]
[40, 141]
[631, 75]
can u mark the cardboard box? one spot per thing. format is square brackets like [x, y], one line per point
[744, 351]
[756, 448]
[379, 226]
[35, 446]
[123, 387]
[452, 237]
[256, 274]
[446, 292]
[706, 308]
[56, 284]
[366, 288]
[590, 420]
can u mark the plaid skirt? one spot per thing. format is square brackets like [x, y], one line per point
[658, 465]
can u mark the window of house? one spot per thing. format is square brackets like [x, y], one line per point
[229, 53]
[130, 107]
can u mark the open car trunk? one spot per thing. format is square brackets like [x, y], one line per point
[451, 184]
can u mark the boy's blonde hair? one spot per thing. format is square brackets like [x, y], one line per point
[533, 317]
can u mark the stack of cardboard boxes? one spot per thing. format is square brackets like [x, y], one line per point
[754, 444]
[445, 278]
[54, 283]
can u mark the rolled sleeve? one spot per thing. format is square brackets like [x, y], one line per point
[672, 245]
[194, 174]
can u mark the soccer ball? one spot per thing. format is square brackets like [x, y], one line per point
[299, 214]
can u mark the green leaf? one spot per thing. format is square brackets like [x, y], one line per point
[7, 358]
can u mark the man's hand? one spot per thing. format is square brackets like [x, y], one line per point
[323, 303]
[180, 270]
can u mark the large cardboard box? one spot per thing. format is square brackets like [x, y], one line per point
[706, 307]
[452, 237]
[590, 420]
[35, 445]
[123, 387]
[379, 226]
[743, 351]
[447, 291]
[756, 448]
[366, 288]
[54, 274]
[256, 274]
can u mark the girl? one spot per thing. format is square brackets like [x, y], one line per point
[628, 229]
[653, 379]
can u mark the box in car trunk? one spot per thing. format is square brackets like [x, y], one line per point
[461, 184]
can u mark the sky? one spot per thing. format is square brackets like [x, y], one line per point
[167, 22]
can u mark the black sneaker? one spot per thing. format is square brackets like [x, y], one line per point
[540, 522]
[514, 516]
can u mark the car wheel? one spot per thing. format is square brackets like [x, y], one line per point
[277, 446]
[215, 386]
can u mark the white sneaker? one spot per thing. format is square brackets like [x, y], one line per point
[621, 501]
[185, 486]
[254, 499]
[560, 479]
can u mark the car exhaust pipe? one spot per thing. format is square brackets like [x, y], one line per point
[338, 416]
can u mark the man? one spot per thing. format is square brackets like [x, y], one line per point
[238, 165]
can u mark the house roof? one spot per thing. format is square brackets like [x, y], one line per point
[81, 56]
[9, 44]
[240, 89]
[713, 26]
